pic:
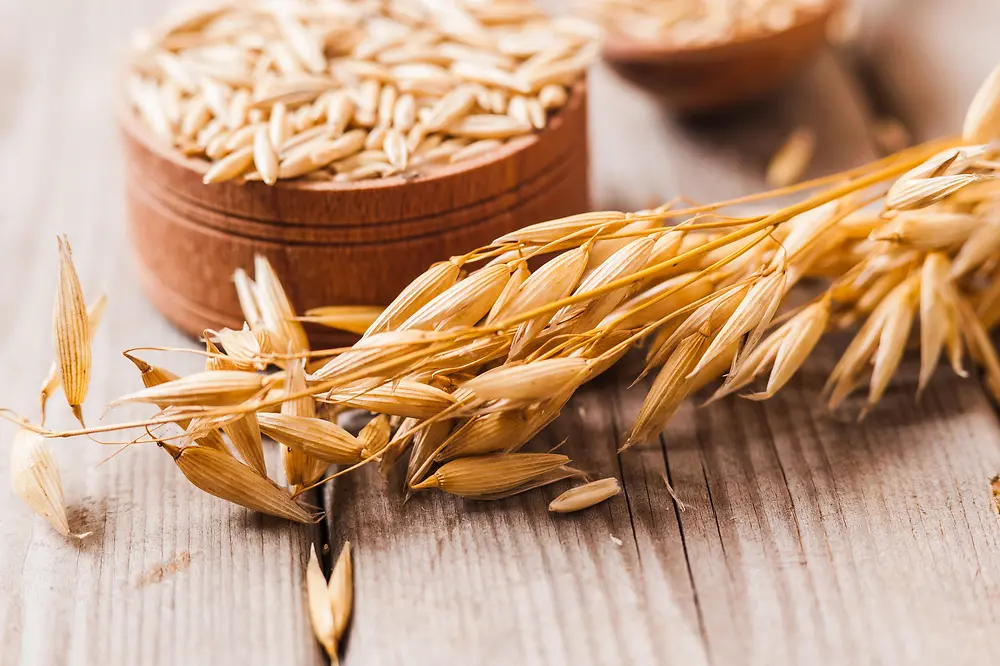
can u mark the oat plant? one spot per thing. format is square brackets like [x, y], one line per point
[482, 351]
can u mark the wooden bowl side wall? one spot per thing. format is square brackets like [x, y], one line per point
[717, 77]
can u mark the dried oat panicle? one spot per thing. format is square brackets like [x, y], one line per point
[225, 477]
[71, 333]
[483, 351]
[585, 496]
[478, 477]
[34, 477]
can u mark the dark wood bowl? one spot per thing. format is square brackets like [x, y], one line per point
[715, 76]
[335, 243]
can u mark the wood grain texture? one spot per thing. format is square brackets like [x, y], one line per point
[809, 538]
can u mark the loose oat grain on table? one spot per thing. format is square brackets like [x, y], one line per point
[271, 92]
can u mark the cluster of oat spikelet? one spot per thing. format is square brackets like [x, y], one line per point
[352, 89]
[481, 351]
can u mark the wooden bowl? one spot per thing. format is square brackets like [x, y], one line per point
[335, 243]
[714, 76]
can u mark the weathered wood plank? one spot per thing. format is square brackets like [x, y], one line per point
[170, 575]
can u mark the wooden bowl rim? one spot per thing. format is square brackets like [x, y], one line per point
[622, 48]
[138, 131]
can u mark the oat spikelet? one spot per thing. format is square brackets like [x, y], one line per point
[244, 433]
[935, 314]
[397, 446]
[585, 496]
[462, 304]
[246, 292]
[922, 192]
[52, 381]
[902, 304]
[211, 389]
[377, 349]
[351, 318]
[485, 433]
[246, 348]
[418, 293]
[583, 316]
[313, 437]
[538, 380]
[34, 476]
[554, 230]
[982, 120]
[320, 608]
[71, 330]
[341, 589]
[225, 477]
[403, 397]
[796, 340]
[300, 468]
[792, 159]
[753, 315]
[514, 283]
[276, 310]
[151, 376]
[556, 279]
[669, 389]
[218, 362]
[425, 443]
[374, 436]
[481, 476]
[295, 382]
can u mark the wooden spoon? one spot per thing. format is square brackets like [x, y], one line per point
[713, 76]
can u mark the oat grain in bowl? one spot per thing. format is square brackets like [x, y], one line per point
[690, 23]
[350, 90]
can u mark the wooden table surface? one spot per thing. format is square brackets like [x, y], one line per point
[807, 539]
